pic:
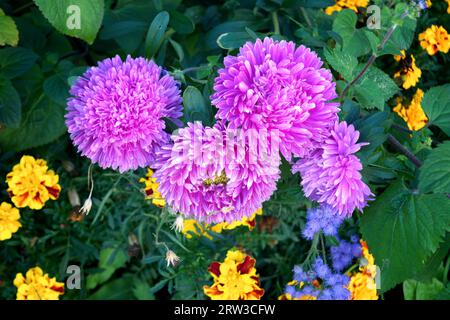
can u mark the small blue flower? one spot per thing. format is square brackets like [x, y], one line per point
[323, 219]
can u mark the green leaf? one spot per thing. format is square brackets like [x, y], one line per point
[308, 3]
[181, 23]
[155, 34]
[118, 289]
[9, 35]
[195, 107]
[403, 229]
[16, 61]
[10, 106]
[434, 174]
[355, 42]
[42, 123]
[77, 18]
[374, 88]
[233, 40]
[57, 89]
[415, 290]
[436, 104]
[111, 259]
[342, 62]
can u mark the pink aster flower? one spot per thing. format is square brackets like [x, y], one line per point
[278, 86]
[331, 174]
[208, 175]
[115, 115]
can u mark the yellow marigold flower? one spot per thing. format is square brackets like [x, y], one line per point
[413, 114]
[435, 39]
[362, 287]
[151, 189]
[448, 9]
[37, 286]
[347, 4]
[362, 284]
[31, 184]
[234, 279]
[191, 226]
[409, 73]
[9, 221]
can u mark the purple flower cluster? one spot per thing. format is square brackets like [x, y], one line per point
[320, 282]
[274, 85]
[115, 115]
[343, 254]
[323, 218]
[331, 174]
[198, 177]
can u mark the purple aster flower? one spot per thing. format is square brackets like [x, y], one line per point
[324, 219]
[343, 254]
[115, 115]
[280, 87]
[205, 175]
[331, 174]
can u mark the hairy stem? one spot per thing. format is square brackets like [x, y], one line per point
[397, 145]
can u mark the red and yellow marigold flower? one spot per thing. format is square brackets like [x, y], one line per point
[347, 4]
[409, 73]
[37, 286]
[435, 39]
[234, 279]
[192, 226]
[362, 283]
[9, 221]
[151, 189]
[413, 114]
[31, 184]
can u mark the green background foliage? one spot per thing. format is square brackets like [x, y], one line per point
[406, 227]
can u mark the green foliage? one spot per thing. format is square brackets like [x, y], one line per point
[435, 172]
[436, 104]
[63, 14]
[402, 227]
[8, 30]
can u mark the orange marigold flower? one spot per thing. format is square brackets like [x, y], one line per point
[37, 286]
[9, 221]
[347, 4]
[413, 114]
[151, 189]
[235, 278]
[409, 73]
[362, 284]
[435, 39]
[448, 9]
[31, 184]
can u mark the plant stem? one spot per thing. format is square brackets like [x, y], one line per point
[373, 57]
[305, 15]
[397, 145]
[401, 128]
[276, 23]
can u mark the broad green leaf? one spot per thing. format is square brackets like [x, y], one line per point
[142, 291]
[110, 260]
[436, 104]
[42, 122]
[16, 61]
[77, 18]
[403, 229]
[155, 34]
[415, 290]
[10, 105]
[195, 107]
[342, 62]
[118, 289]
[435, 172]
[374, 88]
[233, 40]
[181, 23]
[57, 89]
[9, 35]
[355, 41]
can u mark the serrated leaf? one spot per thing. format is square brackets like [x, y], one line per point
[374, 88]
[342, 62]
[10, 105]
[436, 104]
[16, 61]
[403, 229]
[415, 290]
[77, 18]
[434, 174]
[355, 42]
[155, 34]
[9, 35]
[42, 122]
